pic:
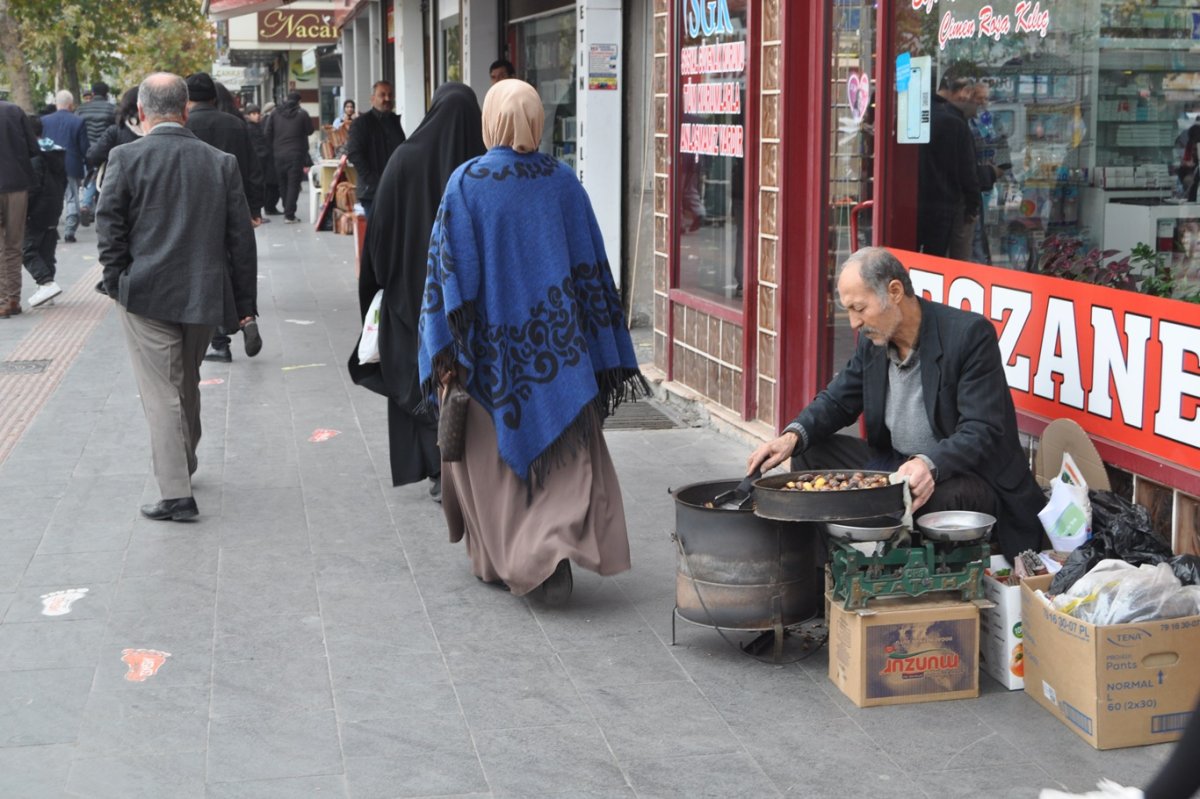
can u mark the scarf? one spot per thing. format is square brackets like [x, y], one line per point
[520, 296]
[513, 116]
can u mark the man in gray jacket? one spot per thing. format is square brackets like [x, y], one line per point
[178, 252]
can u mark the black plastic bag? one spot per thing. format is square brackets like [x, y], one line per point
[1121, 530]
[1186, 568]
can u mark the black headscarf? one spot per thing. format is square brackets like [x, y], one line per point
[396, 251]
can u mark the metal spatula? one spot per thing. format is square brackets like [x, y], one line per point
[737, 498]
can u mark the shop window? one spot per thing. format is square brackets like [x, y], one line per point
[712, 49]
[545, 58]
[1080, 116]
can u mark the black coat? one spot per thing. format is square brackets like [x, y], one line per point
[287, 132]
[230, 135]
[46, 198]
[970, 410]
[374, 136]
[97, 114]
[115, 134]
[18, 146]
[395, 256]
[258, 140]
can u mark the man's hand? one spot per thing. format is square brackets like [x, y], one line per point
[772, 453]
[256, 221]
[246, 321]
[920, 481]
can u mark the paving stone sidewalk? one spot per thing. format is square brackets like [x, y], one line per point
[314, 634]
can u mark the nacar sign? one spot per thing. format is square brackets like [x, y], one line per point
[290, 25]
[1126, 366]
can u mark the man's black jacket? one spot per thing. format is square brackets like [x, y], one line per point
[46, 198]
[374, 136]
[230, 135]
[287, 131]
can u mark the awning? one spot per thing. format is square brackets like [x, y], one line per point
[226, 9]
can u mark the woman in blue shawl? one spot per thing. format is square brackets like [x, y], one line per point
[520, 308]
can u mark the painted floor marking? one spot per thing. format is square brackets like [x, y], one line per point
[143, 663]
[323, 434]
[58, 603]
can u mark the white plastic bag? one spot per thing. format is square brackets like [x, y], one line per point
[368, 345]
[1067, 517]
[1115, 592]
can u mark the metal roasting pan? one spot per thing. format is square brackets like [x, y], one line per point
[774, 501]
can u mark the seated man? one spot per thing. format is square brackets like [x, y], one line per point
[930, 381]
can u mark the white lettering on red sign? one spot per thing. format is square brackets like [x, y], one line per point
[1017, 305]
[712, 98]
[1059, 356]
[1124, 367]
[989, 24]
[711, 139]
[1180, 384]
[707, 59]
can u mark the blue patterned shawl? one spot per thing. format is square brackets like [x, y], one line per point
[520, 295]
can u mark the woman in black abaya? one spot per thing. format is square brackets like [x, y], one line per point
[394, 258]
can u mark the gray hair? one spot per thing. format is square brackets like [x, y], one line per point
[163, 96]
[64, 98]
[878, 268]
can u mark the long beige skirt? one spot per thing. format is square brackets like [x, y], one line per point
[576, 514]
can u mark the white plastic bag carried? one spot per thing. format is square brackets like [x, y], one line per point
[368, 345]
[1067, 517]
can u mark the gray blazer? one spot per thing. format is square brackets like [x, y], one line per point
[176, 241]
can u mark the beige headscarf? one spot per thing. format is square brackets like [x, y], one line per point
[513, 116]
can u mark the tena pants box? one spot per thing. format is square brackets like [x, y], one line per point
[1001, 648]
[900, 651]
[1115, 685]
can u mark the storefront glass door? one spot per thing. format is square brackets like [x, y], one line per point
[545, 57]
[851, 152]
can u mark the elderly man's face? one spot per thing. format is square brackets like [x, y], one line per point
[874, 318]
[383, 98]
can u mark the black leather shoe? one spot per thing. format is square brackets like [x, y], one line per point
[557, 588]
[253, 339]
[219, 354]
[176, 510]
[435, 489]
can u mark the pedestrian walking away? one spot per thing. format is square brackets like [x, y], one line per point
[98, 113]
[395, 258]
[70, 133]
[541, 350]
[229, 134]
[18, 148]
[41, 227]
[374, 136]
[271, 188]
[287, 132]
[178, 270]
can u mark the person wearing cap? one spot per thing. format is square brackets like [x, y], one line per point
[374, 136]
[97, 112]
[229, 135]
[287, 132]
[70, 133]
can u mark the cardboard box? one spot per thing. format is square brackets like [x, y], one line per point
[1114, 685]
[900, 651]
[1001, 648]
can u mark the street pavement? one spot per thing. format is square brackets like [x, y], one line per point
[314, 634]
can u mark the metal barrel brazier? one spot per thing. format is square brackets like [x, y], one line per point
[738, 571]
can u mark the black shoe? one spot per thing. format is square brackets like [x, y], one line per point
[69, 239]
[220, 354]
[435, 490]
[86, 215]
[252, 338]
[272, 211]
[176, 510]
[557, 588]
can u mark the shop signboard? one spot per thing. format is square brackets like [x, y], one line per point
[293, 26]
[1124, 365]
[712, 72]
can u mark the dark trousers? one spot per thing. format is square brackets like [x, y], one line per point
[37, 251]
[271, 197]
[220, 339]
[289, 172]
[937, 229]
[961, 492]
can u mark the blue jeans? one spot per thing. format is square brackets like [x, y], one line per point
[71, 207]
[89, 195]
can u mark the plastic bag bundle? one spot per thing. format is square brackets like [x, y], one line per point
[1116, 592]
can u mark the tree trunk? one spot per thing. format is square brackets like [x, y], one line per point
[18, 69]
[71, 69]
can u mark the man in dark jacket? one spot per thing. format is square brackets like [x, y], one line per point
[258, 140]
[97, 113]
[41, 226]
[948, 195]
[178, 252]
[288, 129]
[229, 135]
[929, 381]
[70, 133]
[373, 137]
[18, 146]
